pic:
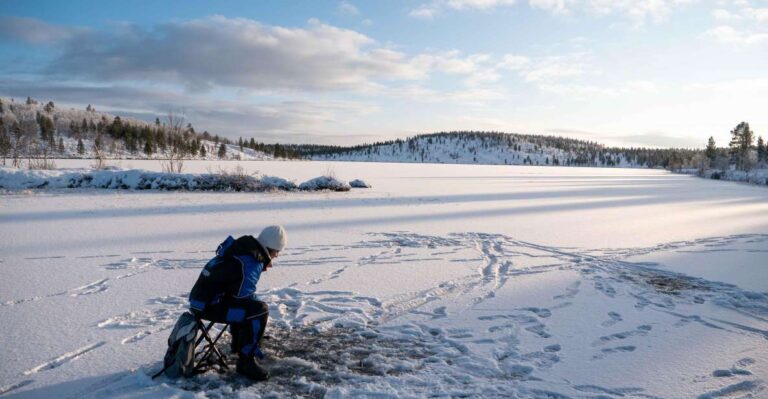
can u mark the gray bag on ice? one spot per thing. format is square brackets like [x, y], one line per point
[180, 356]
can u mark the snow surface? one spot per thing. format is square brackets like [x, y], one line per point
[442, 280]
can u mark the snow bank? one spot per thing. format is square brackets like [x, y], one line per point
[755, 176]
[325, 183]
[137, 179]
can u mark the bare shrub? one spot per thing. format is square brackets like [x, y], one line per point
[99, 162]
[175, 161]
[224, 180]
[330, 172]
[40, 157]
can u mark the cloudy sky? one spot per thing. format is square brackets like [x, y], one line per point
[622, 72]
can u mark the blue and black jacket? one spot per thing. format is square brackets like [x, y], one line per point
[234, 272]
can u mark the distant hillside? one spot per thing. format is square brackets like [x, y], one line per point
[35, 130]
[469, 147]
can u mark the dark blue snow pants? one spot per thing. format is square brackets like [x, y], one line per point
[247, 318]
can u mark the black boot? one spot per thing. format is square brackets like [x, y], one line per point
[234, 332]
[248, 367]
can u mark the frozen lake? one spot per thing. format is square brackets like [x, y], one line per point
[448, 280]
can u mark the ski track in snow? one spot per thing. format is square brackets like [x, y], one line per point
[133, 266]
[384, 324]
[63, 359]
[15, 385]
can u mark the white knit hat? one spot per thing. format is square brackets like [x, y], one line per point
[273, 237]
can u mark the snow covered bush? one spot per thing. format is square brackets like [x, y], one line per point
[357, 183]
[276, 183]
[135, 179]
[325, 183]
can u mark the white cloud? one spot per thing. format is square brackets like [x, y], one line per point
[478, 68]
[758, 14]
[553, 6]
[728, 35]
[640, 86]
[238, 53]
[435, 7]
[35, 31]
[514, 62]
[246, 55]
[423, 12]
[467, 96]
[579, 91]
[724, 15]
[477, 4]
[550, 69]
[654, 140]
[348, 8]
[636, 10]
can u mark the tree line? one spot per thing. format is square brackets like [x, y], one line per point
[742, 153]
[37, 131]
[34, 131]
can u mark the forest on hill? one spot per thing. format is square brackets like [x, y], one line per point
[33, 130]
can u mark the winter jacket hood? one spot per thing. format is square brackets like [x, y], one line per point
[245, 245]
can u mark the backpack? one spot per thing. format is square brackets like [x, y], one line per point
[180, 357]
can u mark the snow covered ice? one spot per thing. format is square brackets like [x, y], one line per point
[441, 280]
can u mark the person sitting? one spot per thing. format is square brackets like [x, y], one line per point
[225, 292]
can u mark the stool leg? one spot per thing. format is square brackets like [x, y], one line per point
[210, 349]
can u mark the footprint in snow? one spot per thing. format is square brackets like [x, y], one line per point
[738, 368]
[552, 348]
[614, 318]
[610, 351]
[540, 312]
[639, 331]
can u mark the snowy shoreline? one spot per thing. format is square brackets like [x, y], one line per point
[756, 176]
[139, 179]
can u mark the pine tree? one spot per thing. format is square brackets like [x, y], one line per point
[222, 151]
[30, 101]
[80, 147]
[762, 151]
[61, 145]
[711, 151]
[49, 107]
[148, 148]
[202, 151]
[740, 145]
[46, 128]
